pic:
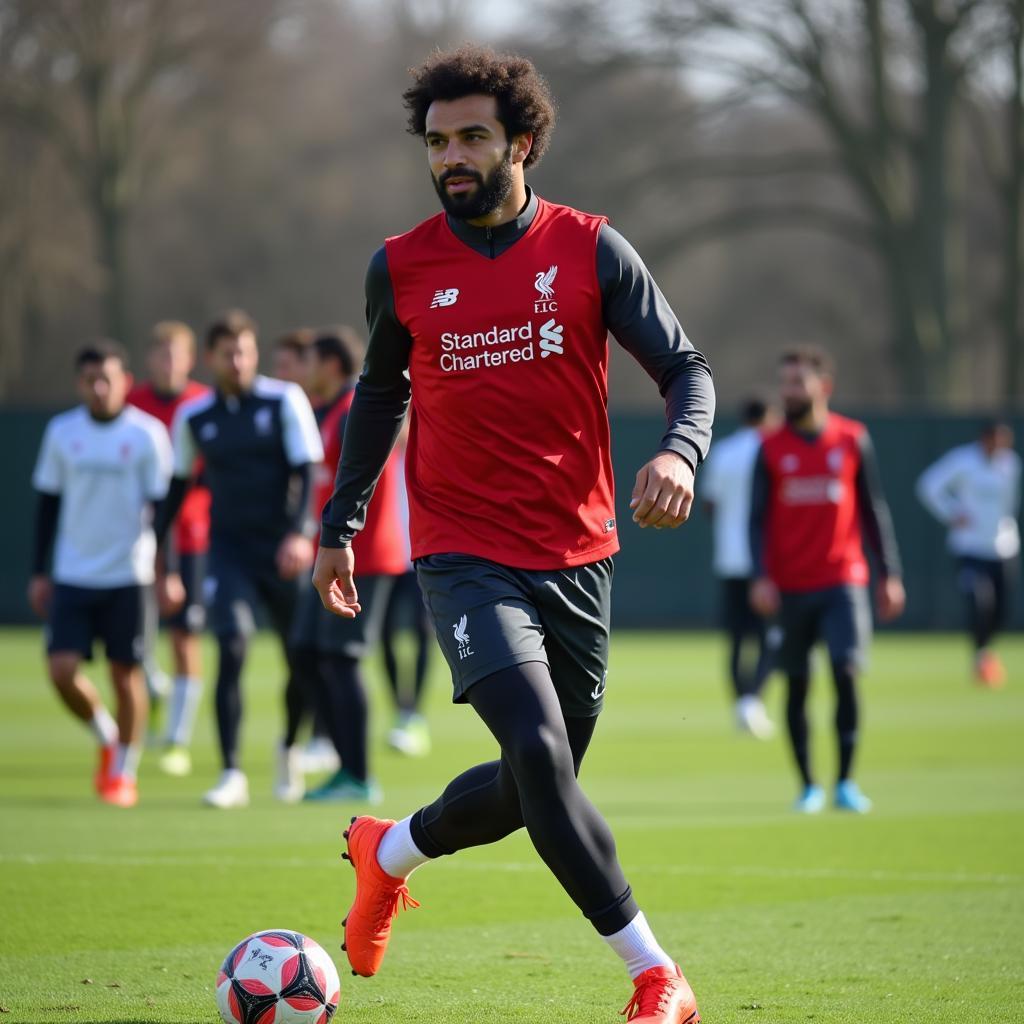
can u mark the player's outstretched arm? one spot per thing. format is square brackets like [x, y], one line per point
[333, 578]
[663, 493]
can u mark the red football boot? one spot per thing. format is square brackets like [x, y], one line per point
[121, 792]
[368, 924]
[662, 996]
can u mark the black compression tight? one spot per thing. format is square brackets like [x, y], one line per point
[342, 704]
[748, 679]
[406, 594]
[847, 720]
[228, 696]
[533, 784]
[796, 722]
[847, 717]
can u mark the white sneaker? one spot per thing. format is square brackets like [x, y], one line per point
[410, 736]
[751, 717]
[176, 760]
[319, 755]
[232, 790]
[289, 785]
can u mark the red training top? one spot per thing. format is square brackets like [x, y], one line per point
[380, 547]
[509, 454]
[192, 528]
[812, 528]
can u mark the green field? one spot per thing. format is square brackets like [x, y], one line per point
[914, 913]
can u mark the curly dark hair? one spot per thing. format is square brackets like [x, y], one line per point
[524, 101]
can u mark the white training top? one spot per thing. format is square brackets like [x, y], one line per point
[106, 475]
[985, 493]
[725, 481]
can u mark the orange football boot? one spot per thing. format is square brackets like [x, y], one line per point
[121, 792]
[662, 996]
[368, 924]
[989, 671]
[104, 768]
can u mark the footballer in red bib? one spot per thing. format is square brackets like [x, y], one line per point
[816, 503]
[492, 319]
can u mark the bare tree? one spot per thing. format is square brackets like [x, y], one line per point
[884, 82]
[103, 82]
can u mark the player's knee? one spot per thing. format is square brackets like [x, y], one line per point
[62, 669]
[541, 757]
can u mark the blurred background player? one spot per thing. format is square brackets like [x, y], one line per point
[975, 490]
[259, 444]
[726, 481]
[816, 501]
[172, 357]
[292, 357]
[407, 613]
[326, 649]
[291, 360]
[101, 467]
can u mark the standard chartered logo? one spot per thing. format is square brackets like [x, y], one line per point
[499, 346]
[550, 339]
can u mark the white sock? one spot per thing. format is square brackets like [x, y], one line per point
[103, 726]
[638, 947]
[128, 757]
[397, 854]
[184, 704]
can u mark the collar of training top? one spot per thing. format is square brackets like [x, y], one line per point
[509, 231]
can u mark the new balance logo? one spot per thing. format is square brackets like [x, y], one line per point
[545, 284]
[462, 638]
[551, 339]
[444, 297]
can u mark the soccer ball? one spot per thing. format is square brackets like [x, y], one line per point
[277, 977]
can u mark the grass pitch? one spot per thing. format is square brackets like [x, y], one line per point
[913, 913]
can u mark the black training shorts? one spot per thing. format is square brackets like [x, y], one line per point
[242, 578]
[489, 617]
[79, 616]
[840, 617]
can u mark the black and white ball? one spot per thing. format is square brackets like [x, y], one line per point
[277, 977]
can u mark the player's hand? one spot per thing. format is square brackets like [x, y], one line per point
[891, 599]
[332, 577]
[663, 492]
[40, 593]
[170, 593]
[764, 597]
[294, 556]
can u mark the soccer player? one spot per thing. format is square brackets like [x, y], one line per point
[725, 485]
[816, 501]
[326, 649]
[101, 468]
[172, 357]
[975, 491]
[494, 315]
[259, 445]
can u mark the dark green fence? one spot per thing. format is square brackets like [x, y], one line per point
[662, 579]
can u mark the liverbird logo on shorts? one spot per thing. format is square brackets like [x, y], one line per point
[462, 637]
